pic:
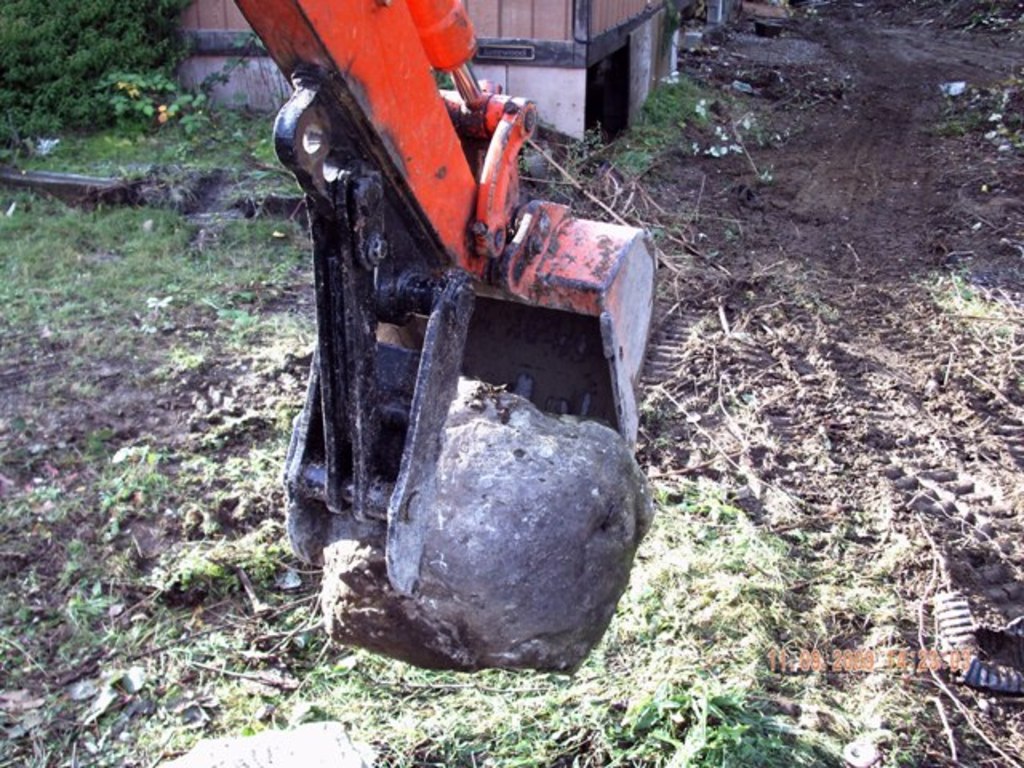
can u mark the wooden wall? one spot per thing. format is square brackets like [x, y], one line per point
[607, 14]
[214, 14]
[549, 19]
[535, 19]
[532, 19]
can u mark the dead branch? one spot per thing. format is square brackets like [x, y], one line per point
[945, 726]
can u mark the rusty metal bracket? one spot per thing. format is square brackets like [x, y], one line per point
[499, 177]
[347, 228]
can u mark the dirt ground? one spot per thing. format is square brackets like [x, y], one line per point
[839, 347]
[847, 343]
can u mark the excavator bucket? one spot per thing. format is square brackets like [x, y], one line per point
[462, 467]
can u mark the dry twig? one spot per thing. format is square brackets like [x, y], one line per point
[274, 681]
[999, 395]
[258, 606]
[615, 215]
[945, 726]
[575, 183]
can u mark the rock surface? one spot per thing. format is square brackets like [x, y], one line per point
[315, 745]
[535, 523]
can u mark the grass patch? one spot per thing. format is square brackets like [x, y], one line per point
[992, 114]
[234, 140]
[66, 270]
[960, 294]
[671, 109]
[150, 379]
[682, 678]
[678, 681]
[148, 597]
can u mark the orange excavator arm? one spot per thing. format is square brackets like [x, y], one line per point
[430, 270]
[389, 50]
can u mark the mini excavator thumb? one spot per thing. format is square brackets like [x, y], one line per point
[463, 465]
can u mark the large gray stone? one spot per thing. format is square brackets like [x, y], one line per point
[315, 745]
[535, 521]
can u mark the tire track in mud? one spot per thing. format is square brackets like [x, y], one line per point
[858, 382]
[818, 416]
[824, 357]
[879, 182]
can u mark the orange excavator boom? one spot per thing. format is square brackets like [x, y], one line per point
[430, 269]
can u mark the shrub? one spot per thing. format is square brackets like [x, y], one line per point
[55, 53]
[154, 99]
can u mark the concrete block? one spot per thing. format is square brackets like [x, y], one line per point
[314, 745]
[255, 82]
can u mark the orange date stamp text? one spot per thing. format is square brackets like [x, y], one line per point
[903, 661]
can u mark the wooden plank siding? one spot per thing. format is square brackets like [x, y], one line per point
[530, 19]
[215, 15]
[608, 14]
[549, 19]
[486, 16]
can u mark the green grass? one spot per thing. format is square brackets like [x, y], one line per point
[962, 297]
[236, 145]
[991, 114]
[655, 693]
[122, 527]
[670, 109]
[65, 269]
[233, 141]
[680, 679]
[152, 375]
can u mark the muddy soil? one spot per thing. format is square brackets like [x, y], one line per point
[847, 344]
[844, 342]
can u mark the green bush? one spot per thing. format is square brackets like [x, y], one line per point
[54, 54]
[154, 99]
